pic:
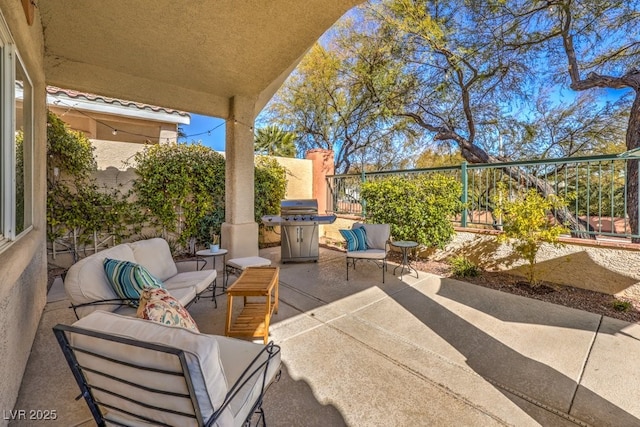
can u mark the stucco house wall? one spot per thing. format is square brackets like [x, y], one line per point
[23, 275]
[299, 177]
[115, 154]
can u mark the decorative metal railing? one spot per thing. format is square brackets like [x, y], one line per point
[595, 188]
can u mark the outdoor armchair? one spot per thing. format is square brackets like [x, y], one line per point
[137, 372]
[376, 239]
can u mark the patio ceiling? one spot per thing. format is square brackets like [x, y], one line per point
[189, 55]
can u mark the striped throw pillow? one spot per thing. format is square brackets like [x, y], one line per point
[356, 239]
[128, 279]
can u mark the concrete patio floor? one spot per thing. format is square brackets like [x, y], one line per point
[425, 352]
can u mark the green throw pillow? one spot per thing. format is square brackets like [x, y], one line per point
[128, 279]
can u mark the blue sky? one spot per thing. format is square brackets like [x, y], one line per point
[208, 130]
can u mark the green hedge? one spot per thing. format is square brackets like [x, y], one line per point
[180, 190]
[417, 208]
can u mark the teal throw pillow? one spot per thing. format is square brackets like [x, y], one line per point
[356, 239]
[128, 279]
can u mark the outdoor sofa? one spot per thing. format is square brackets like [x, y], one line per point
[88, 288]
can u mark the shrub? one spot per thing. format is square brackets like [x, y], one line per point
[74, 200]
[620, 305]
[183, 187]
[417, 208]
[527, 224]
[270, 187]
[463, 267]
[179, 184]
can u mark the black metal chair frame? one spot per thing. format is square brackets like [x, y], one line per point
[124, 301]
[380, 263]
[255, 368]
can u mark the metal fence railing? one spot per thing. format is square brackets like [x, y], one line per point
[595, 187]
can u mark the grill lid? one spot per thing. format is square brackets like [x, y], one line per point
[298, 207]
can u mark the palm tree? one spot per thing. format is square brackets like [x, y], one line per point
[274, 141]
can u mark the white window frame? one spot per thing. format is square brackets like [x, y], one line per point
[9, 58]
[27, 144]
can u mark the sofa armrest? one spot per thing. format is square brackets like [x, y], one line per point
[105, 302]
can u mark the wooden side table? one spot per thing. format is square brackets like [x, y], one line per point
[255, 317]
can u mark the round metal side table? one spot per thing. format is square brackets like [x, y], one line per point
[404, 246]
[205, 253]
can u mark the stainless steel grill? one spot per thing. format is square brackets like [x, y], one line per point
[299, 221]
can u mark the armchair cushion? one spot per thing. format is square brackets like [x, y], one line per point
[356, 239]
[141, 373]
[377, 235]
[368, 254]
[202, 357]
[128, 279]
[86, 281]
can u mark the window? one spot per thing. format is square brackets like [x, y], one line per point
[16, 142]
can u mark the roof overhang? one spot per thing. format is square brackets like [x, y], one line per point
[115, 107]
[186, 55]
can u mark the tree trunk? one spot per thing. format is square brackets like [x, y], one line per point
[474, 154]
[633, 141]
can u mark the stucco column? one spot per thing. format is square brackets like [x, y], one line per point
[322, 166]
[240, 231]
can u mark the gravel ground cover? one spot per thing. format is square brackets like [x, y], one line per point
[619, 308]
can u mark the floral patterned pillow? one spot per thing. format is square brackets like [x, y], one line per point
[158, 305]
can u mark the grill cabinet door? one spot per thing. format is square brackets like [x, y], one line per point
[309, 241]
[299, 243]
[290, 242]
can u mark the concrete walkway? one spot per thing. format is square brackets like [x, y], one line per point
[420, 351]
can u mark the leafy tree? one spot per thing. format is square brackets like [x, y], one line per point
[69, 152]
[471, 89]
[528, 225]
[591, 45]
[182, 186]
[439, 156]
[273, 141]
[418, 209]
[326, 103]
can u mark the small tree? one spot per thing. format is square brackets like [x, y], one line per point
[527, 223]
[418, 208]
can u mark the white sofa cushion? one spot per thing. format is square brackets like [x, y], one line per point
[155, 255]
[199, 280]
[86, 281]
[250, 261]
[202, 354]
